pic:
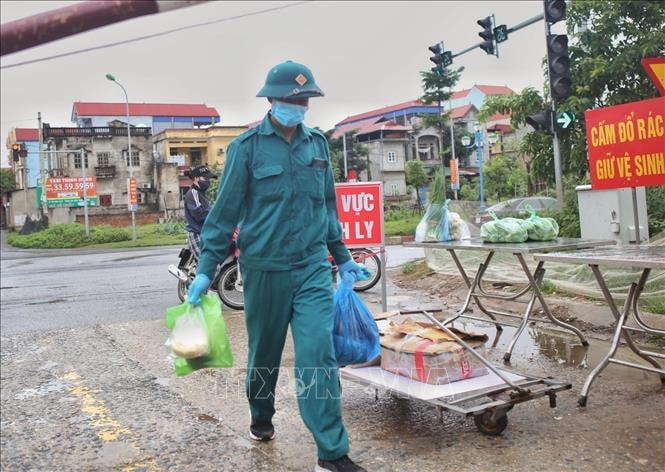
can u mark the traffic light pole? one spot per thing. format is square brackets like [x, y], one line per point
[555, 135]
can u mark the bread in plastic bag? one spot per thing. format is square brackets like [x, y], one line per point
[219, 349]
[504, 230]
[189, 338]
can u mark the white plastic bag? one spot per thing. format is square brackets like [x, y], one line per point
[458, 228]
[189, 338]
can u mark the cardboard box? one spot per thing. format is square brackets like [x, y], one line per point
[424, 352]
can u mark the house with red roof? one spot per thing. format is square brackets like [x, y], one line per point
[158, 116]
[424, 143]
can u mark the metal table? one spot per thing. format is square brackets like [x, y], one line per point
[646, 258]
[527, 295]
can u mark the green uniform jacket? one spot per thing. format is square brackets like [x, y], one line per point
[282, 196]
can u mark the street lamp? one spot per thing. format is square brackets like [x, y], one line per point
[132, 208]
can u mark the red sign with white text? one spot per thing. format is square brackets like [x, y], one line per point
[627, 144]
[360, 212]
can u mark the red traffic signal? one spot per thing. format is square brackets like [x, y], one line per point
[15, 152]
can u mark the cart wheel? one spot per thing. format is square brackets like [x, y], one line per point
[485, 424]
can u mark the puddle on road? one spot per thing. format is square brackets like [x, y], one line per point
[562, 349]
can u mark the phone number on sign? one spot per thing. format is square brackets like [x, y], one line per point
[70, 186]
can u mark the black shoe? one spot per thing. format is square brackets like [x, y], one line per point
[343, 464]
[261, 431]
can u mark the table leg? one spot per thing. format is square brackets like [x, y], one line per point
[582, 400]
[539, 273]
[543, 303]
[472, 287]
[634, 300]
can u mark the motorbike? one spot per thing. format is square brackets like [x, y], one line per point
[228, 280]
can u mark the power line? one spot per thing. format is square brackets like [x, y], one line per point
[154, 35]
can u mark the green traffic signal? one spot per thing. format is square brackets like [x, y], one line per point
[501, 33]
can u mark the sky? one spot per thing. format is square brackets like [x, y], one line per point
[363, 54]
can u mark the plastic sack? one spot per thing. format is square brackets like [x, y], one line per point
[189, 338]
[219, 349]
[429, 228]
[540, 229]
[505, 230]
[440, 224]
[355, 333]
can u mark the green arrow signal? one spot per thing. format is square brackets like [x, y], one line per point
[500, 33]
[565, 119]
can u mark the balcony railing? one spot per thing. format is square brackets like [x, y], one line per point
[105, 172]
[95, 132]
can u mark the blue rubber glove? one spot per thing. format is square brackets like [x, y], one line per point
[352, 268]
[198, 286]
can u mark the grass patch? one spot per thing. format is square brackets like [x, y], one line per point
[404, 227]
[103, 236]
[654, 306]
[547, 287]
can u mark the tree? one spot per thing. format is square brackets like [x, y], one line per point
[535, 148]
[7, 181]
[416, 177]
[356, 153]
[502, 175]
[437, 89]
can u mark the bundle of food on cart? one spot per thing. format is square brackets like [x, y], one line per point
[424, 352]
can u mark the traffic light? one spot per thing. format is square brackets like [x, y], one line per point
[487, 34]
[15, 152]
[561, 86]
[437, 58]
[23, 152]
[541, 121]
[555, 10]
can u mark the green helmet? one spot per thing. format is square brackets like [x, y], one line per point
[290, 80]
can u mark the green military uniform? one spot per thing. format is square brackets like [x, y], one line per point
[282, 196]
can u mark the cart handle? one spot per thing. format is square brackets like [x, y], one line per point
[473, 352]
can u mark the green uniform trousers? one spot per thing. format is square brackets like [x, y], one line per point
[302, 297]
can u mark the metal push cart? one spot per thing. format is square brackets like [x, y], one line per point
[487, 398]
[528, 295]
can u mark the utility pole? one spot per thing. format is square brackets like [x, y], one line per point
[41, 206]
[555, 136]
[84, 164]
[346, 170]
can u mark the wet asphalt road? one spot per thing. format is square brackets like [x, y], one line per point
[86, 385]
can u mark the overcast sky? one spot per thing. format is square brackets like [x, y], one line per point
[364, 55]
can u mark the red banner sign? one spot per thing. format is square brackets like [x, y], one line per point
[360, 211]
[627, 144]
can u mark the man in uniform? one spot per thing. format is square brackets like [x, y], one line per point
[278, 186]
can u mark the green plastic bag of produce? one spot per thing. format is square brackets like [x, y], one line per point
[505, 230]
[219, 349]
[430, 227]
[539, 228]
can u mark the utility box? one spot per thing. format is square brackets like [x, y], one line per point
[608, 214]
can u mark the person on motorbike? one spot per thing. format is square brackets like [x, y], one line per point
[197, 206]
[278, 187]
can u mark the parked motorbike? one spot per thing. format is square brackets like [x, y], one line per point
[227, 281]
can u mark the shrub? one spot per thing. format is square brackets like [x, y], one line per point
[68, 236]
